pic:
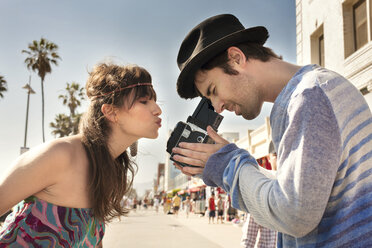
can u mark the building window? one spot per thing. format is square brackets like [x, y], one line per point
[357, 20]
[360, 24]
[364, 91]
[317, 47]
[321, 50]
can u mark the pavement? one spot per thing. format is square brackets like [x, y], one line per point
[146, 228]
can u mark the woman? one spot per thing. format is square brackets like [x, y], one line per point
[73, 185]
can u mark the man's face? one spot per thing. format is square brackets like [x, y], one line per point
[235, 93]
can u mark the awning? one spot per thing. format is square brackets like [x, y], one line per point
[196, 189]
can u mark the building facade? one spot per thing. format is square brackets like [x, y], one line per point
[336, 34]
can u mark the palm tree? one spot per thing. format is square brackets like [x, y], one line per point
[61, 126]
[65, 125]
[2, 86]
[74, 96]
[75, 120]
[42, 54]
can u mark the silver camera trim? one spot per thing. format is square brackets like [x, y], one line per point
[186, 133]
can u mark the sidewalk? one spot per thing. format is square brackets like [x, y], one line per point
[146, 228]
[226, 234]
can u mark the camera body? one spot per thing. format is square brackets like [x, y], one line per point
[194, 130]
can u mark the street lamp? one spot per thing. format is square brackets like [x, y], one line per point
[29, 91]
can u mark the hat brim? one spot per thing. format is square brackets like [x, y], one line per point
[185, 82]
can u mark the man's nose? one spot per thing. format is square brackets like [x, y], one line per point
[218, 106]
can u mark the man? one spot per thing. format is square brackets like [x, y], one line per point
[321, 129]
[212, 209]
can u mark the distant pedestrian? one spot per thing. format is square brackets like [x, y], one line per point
[135, 202]
[156, 204]
[212, 209]
[176, 204]
[188, 206]
[168, 205]
[254, 233]
[139, 204]
[220, 209]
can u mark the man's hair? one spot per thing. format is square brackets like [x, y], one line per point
[250, 50]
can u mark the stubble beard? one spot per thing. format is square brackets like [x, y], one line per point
[251, 107]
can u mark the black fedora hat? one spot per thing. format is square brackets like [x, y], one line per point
[208, 39]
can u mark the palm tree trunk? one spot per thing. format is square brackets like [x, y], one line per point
[42, 108]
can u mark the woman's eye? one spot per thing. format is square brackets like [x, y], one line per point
[214, 91]
[143, 101]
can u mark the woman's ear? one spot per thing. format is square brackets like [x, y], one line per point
[109, 112]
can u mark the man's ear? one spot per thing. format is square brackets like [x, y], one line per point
[109, 112]
[235, 56]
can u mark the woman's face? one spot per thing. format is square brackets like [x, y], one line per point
[141, 120]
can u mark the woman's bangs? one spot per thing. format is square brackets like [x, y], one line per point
[142, 91]
[145, 91]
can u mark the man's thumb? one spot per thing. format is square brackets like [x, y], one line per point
[213, 134]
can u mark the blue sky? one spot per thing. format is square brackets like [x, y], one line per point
[146, 33]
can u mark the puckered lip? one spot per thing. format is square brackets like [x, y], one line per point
[158, 121]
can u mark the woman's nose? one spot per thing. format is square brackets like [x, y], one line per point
[157, 110]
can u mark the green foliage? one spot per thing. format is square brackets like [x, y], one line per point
[41, 54]
[68, 125]
[61, 126]
[73, 97]
[2, 86]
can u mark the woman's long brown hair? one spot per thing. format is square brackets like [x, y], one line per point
[111, 178]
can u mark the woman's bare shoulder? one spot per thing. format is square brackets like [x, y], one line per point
[67, 149]
[58, 152]
[41, 167]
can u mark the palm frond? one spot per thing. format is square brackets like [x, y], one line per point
[2, 86]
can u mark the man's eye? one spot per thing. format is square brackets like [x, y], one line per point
[214, 91]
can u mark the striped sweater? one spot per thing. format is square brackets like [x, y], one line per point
[322, 193]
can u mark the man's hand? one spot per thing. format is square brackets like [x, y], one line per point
[197, 154]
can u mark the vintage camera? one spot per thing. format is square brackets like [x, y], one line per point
[194, 130]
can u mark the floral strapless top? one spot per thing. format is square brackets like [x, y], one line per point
[37, 223]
